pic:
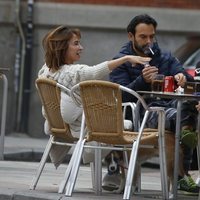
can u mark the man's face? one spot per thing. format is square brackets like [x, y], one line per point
[144, 37]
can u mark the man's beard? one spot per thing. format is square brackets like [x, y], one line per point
[145, 49]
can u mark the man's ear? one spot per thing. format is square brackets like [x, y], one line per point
[130, 36]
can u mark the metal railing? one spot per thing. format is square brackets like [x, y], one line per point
[3, 113]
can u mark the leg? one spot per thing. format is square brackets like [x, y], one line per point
[42, 163]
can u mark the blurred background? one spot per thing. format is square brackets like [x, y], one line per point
[103, 23]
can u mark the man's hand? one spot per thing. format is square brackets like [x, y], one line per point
[180, 79]
[149, 72]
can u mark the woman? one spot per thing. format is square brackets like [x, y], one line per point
[62, 49]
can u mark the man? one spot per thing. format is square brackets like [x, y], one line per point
[142, 41]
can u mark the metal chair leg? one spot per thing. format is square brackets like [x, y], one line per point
[68, 171]
[42, 164]
[130, 173]
[133, 160]
[98, 172]
[75, 168]
[139, 182]
[92, 174]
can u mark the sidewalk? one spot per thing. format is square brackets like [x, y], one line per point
[16, 176]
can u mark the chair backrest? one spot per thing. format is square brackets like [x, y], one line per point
[50, 97]
[102, 105]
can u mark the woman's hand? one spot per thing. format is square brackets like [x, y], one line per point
[139, 60]
[180, 79]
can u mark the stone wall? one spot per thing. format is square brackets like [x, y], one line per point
[103, 33]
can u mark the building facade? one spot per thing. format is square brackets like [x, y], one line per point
[103, 26]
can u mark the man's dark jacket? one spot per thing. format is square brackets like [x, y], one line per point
[131, 77]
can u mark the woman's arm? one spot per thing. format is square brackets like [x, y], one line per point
[112, 64]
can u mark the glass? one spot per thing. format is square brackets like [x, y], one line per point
[157, 84]
[192, 88]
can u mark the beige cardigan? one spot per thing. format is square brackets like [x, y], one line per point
[70, 75]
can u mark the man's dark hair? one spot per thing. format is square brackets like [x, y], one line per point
[145, 19]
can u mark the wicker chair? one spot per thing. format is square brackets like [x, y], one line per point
[49, 93]
[103, 117]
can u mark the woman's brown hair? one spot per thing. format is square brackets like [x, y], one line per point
[55, 44]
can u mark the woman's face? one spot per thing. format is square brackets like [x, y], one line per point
[74, 50]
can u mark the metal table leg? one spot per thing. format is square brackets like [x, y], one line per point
[177, 139]
[3, 115]
[198, 150]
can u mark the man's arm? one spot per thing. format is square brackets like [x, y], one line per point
[177, 68]
[180, 75]
[130, 77]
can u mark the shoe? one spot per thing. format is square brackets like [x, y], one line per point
[111, 182]
[187, 186]
[189, 138]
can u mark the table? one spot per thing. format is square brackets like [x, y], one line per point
[180, 98]
[4, 106]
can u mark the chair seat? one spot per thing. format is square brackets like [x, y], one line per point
[127, 138]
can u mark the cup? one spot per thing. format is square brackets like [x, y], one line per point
[192, 88]
[157, 84]
[189, 87]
